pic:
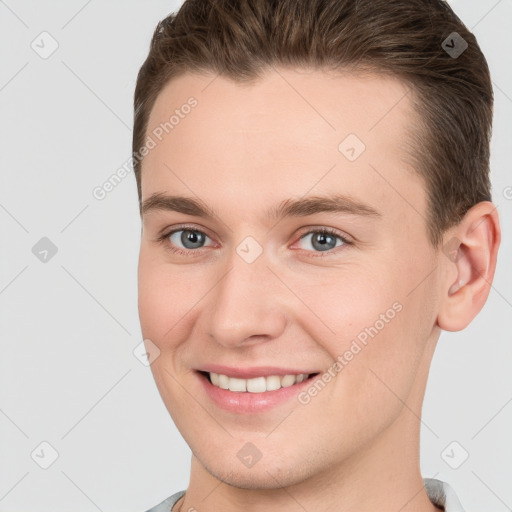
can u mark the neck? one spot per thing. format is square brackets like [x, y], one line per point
[385, 477]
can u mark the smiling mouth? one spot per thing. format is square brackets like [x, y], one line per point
[256, 384]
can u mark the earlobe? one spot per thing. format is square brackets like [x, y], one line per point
[469, 259]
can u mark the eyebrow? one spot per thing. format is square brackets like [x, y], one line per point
[288, 208]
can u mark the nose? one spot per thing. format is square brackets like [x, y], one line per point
[247, 305]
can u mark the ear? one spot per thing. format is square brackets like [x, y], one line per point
[469, 259]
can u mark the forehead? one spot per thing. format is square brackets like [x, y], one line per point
[290, 132]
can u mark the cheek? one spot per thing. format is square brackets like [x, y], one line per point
[371, 324]
[170, 298]
[165, 295]
[345, 304]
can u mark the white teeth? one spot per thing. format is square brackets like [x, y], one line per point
[215, 378]
[237, 384]
[273, 382]
[223, 381]
[288, 380]
[257, 384]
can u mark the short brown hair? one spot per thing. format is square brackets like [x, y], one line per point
[453, 95]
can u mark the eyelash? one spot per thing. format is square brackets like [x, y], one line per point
[164, 239]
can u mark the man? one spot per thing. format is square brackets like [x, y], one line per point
[313, 178]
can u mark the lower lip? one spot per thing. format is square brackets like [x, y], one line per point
[250, 403]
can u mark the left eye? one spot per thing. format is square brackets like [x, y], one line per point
[323, 240]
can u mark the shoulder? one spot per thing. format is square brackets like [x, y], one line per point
[167, 504]
[442, 495]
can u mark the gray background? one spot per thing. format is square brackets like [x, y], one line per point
[68, 375]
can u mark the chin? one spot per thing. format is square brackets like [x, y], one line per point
[265, 474]
[252, 479]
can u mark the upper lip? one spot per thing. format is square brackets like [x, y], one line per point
[253, 371]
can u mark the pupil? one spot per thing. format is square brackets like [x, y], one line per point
[323, 239]
[191, 237]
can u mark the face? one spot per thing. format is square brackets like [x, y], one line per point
[302, 249]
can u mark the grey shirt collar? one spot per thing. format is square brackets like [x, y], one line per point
[440, 494]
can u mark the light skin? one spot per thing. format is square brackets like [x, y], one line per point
[242, 151]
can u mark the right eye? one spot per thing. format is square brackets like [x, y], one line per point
[184, 241]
